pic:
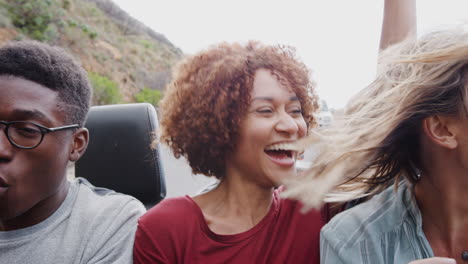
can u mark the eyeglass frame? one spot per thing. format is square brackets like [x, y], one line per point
[44, 130]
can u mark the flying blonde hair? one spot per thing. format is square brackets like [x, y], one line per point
[376, 142]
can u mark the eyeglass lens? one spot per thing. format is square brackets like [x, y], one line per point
[24, 134]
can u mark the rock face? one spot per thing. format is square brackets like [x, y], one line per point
[107, 41]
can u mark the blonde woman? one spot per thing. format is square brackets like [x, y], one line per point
[404, 143]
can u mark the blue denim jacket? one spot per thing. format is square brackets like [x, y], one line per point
[385, 229]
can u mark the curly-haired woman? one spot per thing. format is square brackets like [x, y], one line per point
[235, 112]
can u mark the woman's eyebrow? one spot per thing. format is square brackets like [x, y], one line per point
[266, 98]
[262, 98]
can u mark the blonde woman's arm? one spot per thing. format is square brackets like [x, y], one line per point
[399, 22]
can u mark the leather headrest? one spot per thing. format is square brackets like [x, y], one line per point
[119, 155]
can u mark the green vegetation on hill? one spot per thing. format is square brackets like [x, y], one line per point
[126, 60]
[105, 90]
[148, 95]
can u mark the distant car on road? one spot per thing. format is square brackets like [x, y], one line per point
[324, 116]
[324, 119]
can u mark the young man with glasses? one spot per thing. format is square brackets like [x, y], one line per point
[45, 218]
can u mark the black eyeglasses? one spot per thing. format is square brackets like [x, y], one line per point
[28, 135]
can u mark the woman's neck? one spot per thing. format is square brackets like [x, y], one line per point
[441, 195]
[235, 205]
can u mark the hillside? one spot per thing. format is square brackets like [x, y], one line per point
[126, 60]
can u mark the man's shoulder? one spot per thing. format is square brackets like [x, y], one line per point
[370, 220]
[98, 201]
[102, 223]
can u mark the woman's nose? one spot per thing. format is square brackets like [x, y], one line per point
[287, 124]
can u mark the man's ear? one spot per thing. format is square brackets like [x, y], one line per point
[80, 143]
[441, 130]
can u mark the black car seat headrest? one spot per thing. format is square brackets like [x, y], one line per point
[119, 155]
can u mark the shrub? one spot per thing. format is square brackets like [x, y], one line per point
[106, 91]
[88, 31]
[92, 34]
[5, 20]
[148, 95]
[66, 4]
[84, 27]
[146, 43]
[33, 17]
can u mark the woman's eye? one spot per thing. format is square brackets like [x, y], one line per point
[264, 111]
[296, 111]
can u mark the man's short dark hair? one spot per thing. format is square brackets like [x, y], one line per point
[52, 68]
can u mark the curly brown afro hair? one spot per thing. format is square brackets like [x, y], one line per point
[209, 96]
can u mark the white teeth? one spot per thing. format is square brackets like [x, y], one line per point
[282, 146]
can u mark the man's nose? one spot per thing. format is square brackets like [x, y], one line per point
[6, 149]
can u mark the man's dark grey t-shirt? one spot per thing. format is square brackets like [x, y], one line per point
[93, 225]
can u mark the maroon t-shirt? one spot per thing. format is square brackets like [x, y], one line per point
[175, 231]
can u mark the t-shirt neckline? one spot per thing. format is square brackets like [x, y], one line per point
[234, 238]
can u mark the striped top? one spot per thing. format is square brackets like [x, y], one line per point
[386, 229]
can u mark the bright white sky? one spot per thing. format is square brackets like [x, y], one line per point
[337, 39]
